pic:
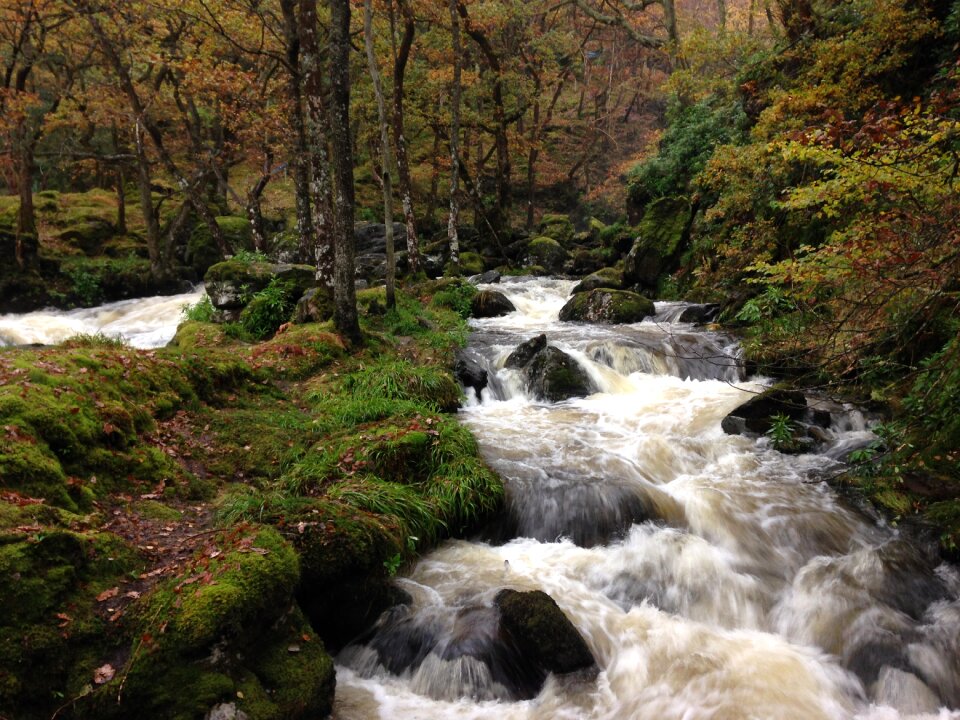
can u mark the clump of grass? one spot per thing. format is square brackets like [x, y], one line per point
[200, 311]
[94, 340]
[398, 379]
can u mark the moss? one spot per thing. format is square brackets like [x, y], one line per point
[558, 228]
[547, 252]
[471, 263]
[664, 226]
[153, 510]
[202, 251]
[607, 306]
[602, 278]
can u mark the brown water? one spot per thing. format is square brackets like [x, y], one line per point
[711, 576]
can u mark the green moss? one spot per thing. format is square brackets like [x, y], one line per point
[546, 252]
[607, 306]
[558, 228]
[153, 510]
[202, 251]
[664, 226]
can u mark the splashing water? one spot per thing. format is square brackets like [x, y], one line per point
[711, 576]
[143, 322]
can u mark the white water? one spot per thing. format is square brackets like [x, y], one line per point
[143, 322]
[716, 578]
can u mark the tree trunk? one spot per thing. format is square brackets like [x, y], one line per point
[158, 263]
[454, 219]
[345, 298]
[670, 20]
[401, 55]
[306, 234]
[26, 215]
[316, 122]
[722, 14]
[385, 154]
[121, 202]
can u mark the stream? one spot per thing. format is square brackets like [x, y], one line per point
[149, 322]
[710, 575]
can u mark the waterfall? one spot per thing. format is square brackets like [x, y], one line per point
[142, 322]
[710, 575]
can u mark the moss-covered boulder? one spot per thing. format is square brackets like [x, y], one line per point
[542, 631]
[554, 376]
[315, 305]
[525, 351]
[557, 227]
[757, 414]
[202, 251]
[603, 278]
[233, 283]
[547, 253]
[607, 306]
[663, 234]
[490, 303]
[87, 233]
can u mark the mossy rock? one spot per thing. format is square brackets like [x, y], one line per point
[231, 284]
[202, 251]
[664, 226]
[607, 306]
[88, 234]
[490, 303]
[544, 634]
[756, 414]
[604, 278]
[595, 227]
[471, 263]
[617, 238]
[554, 376]
[558, 228]
[547, 253]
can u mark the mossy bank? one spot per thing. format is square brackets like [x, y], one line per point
[200, 526]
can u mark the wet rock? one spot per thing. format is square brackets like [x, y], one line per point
[557, 227]
[524, 353]
[490, 303]
[905, 692]
[756, 415]
[469, 373]
[607, 306]
[642, 265]
[543, 634]
[490, 277]
[610, 278]
[226, 711]
[554, 376]
[700, 314]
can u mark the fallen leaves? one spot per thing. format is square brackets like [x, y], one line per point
[107, 594]
[104, 674]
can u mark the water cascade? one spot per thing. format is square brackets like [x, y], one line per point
[710, 575]
[143, 322]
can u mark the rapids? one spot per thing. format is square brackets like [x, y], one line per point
[143, 322]
[710, 575]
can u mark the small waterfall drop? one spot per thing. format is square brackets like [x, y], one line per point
[143, 322]
[711, 576]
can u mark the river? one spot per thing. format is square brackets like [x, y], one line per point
[710, 575]
[142, 322]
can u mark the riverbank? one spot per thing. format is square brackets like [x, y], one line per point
[200, 525]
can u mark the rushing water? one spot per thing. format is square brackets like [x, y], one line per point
[711, 576]
[143, 322]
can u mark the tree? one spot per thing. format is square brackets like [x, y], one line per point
[345, 299]
[385, 153]
[454, 218]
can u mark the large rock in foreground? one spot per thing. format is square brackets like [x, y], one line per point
[603, 305]
[543, 634]
[232, 283]
[490, 303]
[550, 373]
[756, 415]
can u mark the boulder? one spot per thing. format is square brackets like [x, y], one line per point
[642, 265]
[469, 373]
[524, 353]
[756, 415]
[557, 227]
[607, 306]
[490, 277]
[547, 253]
[699, 314]
[202, 251]
[554, 376]
[604, 278]
[490, 303]
[541, 631]
[232, 283]
[315, 305]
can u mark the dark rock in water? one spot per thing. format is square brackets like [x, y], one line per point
[543, 634]
[554, 376]
[607, 306]
[315, 305]
[700, 314]
[490, 303]
[524, 353]
[756, 415]
[490, 277]
[642, 265]
[604, 278]
[469, 373]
